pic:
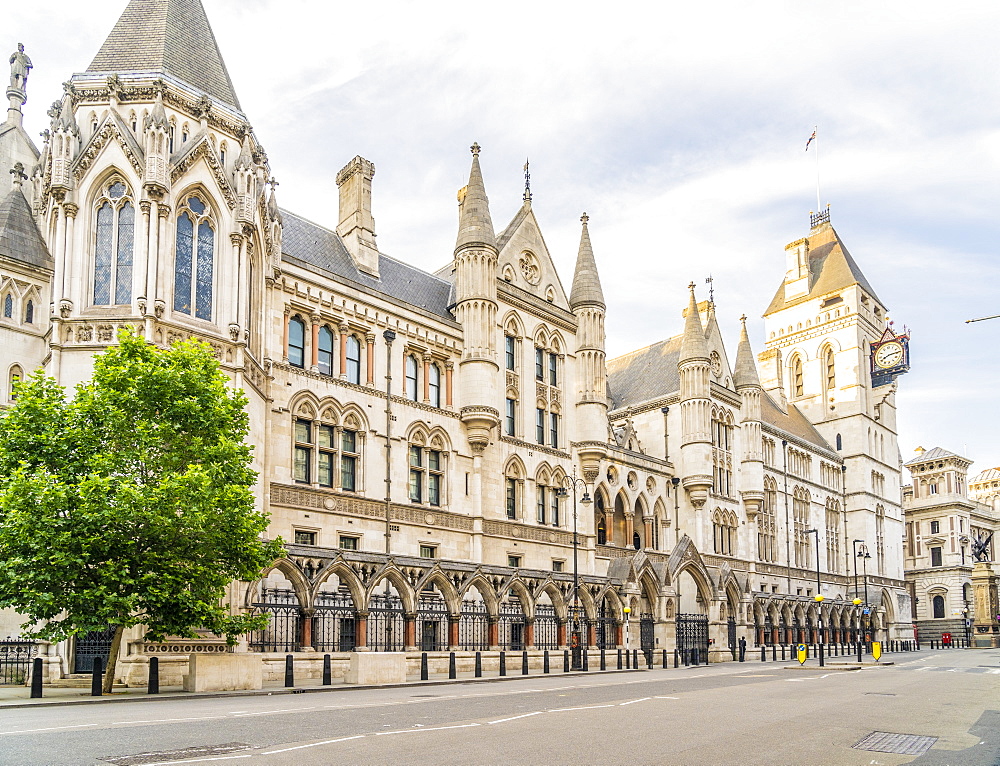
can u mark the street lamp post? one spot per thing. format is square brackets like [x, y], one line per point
[857, 601]
[864, 555]
[571, 482]
[818, 597]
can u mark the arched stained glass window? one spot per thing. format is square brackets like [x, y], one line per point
[195, 260]
[353, 359]
[114, 242]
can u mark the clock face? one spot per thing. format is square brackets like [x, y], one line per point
[889, 355]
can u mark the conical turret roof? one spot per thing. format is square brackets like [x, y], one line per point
[693, 345]
[172, 37]
[586, 282]
[474, 224]
[745, 373]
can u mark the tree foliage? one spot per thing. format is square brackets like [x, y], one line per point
[131, 503]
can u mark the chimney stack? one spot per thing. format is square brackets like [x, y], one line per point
[357, 226]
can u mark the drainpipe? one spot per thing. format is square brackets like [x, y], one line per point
[788, 529]
[389, 336]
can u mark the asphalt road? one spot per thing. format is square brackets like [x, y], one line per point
[752, 713]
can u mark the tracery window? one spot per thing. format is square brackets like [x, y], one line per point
[302, 464]
[324, 354]
[767, 523]
[722, 457]
[800, 519]
[511, 497]
[833, 531]
[541, 505]
[426, 475]
[195, 259]
[319, 442]
[724, 532]
[880, 537]
[113, 244]
[297, 342]
[539, 363]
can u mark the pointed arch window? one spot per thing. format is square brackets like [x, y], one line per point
[830, 371]
[324, 357]
[297, 342]
[195, 259]
[434, 384]
[29, 313]
[114, 241]
[353, 359]
[8, 306]
[411, 377]
[797, 385]
[16, 375]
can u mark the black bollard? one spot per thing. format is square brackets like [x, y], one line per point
[782, 652]
[686, 657]
[628, 660]
[327, 671]
[604, 663]
[763, 653]
[289, 670]
[503, 663]
[664, 659]
[424, 670]
[635, 659]
[479, 665]
[566, 661]
[36, 678]
[95, 679]
[695, 656]
[545, 661]
[677, 658]
[774, 652]
[524, 662]
[586, 660]
[649, 659]
[452, 668]
[153, 685]
[619, 659]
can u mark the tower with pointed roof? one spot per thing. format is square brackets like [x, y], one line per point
[747, 384]
[694, 367]
[586, 300]
[819, 328]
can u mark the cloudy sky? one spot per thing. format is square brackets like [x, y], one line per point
[678, 127]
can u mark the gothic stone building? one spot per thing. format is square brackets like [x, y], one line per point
[428, 443]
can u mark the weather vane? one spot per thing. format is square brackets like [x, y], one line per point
[527, 182]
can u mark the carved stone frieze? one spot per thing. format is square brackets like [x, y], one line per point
[107, 133]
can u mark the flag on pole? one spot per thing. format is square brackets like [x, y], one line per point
[811, 139]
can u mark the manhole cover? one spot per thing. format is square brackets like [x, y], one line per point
[168, 755]
[903, 744]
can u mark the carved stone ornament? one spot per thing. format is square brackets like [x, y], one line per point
[529, 268]
[234, 332]
[141, 303]
[158, 308]
[65, 308]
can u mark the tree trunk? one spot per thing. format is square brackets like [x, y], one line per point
[109, 675]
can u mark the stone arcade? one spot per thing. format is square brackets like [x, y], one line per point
[151, 205]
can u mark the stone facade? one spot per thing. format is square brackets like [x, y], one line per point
[429, 444]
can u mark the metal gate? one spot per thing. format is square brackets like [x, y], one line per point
[432, 622]
[334, 623]
[15, 660]
[284, 629]
[733, 645]
[511, 625]
[607, 630]
[647, 638]
[692, 635]
[474, 627]
[89, 646]
[546, 627]
[385, 623]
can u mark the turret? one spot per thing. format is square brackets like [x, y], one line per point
[357, 225]
[65, 143]
[245, 176]
[586, 301]
[157, 147]
[748, 387]
[476, 307]
[696, 413]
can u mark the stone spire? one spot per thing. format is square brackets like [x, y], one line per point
[745, 373]
[693, 345]
[474, 224]
[586, 282]
[172, 37]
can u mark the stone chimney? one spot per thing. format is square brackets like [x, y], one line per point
[357, 226]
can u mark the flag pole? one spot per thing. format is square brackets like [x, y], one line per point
[819, 205]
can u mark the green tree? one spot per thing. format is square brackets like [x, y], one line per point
[131, 503]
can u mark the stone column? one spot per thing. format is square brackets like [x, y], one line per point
[370, 338]
[236, 240]
[284, 334]
[410, 631]
[493, 633]
[449, 369]
[343, 351]
[453, 636]
[361, 632]
[985, 628]
[529, 634]
[629, 529]
[609, 526]
[561, 634]
[314, 364]
[647, 523]
[305, 640]
[72, 265]
[427, 379]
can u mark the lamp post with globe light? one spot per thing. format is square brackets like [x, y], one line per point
[857, 601]
[572, 482]
[818, 597]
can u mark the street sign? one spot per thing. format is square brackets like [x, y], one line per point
[800, 650]
[866, 611]
[876, 650]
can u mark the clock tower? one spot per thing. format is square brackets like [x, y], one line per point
[831, 353]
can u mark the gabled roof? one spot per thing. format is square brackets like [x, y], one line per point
[20, 239]
[645, 374]
[322, 250]
[831, 268]
[791, 421]
[168, 36]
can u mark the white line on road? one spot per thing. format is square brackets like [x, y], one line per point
[632, 702]
[668, 698]
[436, 728]
[514, 718]
[201, 760]
[586, 707]
[314, 744]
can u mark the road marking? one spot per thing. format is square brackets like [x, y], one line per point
[280, 710]
[995, 672]
[436, 728]
[314, 744]
[794, 680]
[200, 760]
[586, 707]
[668, 698]
[632, 702]
[514, 718]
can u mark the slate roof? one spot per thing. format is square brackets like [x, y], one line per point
[791, 421]
[990, 474]
[831, 268]
[169, 36]
[20, 239]
[936, 453]
[648, 373]
[321, 249]
[586, 288]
